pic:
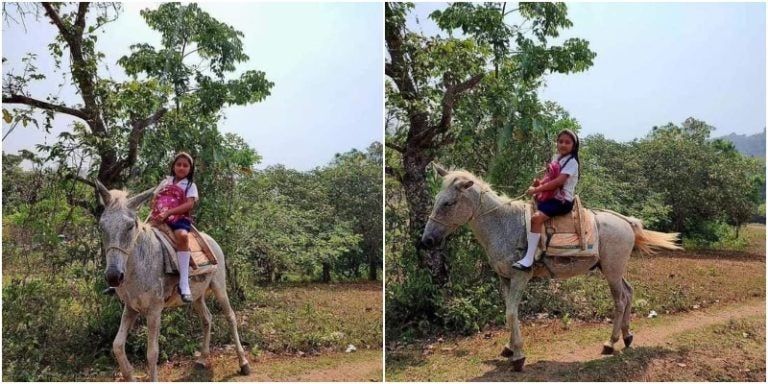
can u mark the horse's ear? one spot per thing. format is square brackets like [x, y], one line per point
[137, 200]
[440, 170]
[465, 184]
[103, 193]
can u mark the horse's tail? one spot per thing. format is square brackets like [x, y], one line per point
[649, 242]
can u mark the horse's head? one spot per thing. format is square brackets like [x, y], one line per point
[119, 226]
[454, 206]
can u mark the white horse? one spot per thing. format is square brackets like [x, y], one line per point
[135, 268]
[498, 223]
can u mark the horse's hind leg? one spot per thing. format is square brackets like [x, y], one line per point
[220, 290]
[205, 318]
[118, 346]
[619, 305]
[629, 291]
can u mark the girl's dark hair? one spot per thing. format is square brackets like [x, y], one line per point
[191, 175]
[575, 150]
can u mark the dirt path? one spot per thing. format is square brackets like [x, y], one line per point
[360, 366]
[365, 365]
[653, 355]
[659, 335]
[671, 347]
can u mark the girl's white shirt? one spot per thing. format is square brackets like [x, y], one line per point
[192, 192]
[572, 170]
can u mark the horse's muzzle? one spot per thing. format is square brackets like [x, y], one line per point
[114, 277]
[427, 242]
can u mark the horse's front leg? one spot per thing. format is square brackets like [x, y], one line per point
[153, 333]
[512, 289]
[118, 346]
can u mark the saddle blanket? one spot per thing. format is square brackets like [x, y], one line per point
[570, 235]
[201, 261]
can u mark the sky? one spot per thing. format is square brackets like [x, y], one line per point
[658, 63]
[326, 61]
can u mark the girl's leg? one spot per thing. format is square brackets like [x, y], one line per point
[182, 252]
[534, 235]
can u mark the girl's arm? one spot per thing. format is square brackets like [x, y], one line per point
[181, 209]
[550, 185]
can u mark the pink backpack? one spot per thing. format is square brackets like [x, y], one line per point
[170, 196]
[553, 171]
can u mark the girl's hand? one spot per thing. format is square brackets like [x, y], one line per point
[536, 182]
[531, 191]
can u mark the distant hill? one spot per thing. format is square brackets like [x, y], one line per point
[752, 145]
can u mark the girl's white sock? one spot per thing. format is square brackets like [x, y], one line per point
[184, 272]
[533, 242]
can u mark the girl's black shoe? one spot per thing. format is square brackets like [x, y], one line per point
[521, 267]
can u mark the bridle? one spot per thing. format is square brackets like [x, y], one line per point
[133, 242]
[472, 217]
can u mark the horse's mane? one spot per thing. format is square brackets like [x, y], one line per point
[461, 174]
[119, 199]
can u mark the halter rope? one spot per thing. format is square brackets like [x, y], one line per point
[473, 216]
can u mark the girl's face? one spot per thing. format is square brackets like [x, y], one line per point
[181, 167]
[564, 144]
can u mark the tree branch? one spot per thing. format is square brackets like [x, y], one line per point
[388, 71]
[80, 20]
[136, 135]
[449, 99]
[21, 99]
[395, 147]
[73, 176]
[57, 21]
[398, 69]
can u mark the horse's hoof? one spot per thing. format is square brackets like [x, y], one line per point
[506, 352]
[607, 350]
[245, 370]
[628, 341]
[517, 365]
[199, 365]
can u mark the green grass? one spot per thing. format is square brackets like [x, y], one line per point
[315, 317]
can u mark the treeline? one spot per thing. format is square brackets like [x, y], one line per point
[275, 224]
[676, 179]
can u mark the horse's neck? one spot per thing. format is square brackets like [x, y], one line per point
[146, 261]
[499, 225]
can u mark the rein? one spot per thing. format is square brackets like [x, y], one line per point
[479, 207]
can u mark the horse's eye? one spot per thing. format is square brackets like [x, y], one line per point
[449, 203]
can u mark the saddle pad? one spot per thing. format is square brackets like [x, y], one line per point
[198, 261]
[570, 235]
[201, 252]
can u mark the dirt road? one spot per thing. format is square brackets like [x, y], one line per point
[725, 343]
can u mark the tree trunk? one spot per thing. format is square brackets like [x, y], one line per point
[326, 272]
[420, 205]
[372, 267]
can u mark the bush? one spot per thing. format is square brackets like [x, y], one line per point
[56, 327]
[715, 235]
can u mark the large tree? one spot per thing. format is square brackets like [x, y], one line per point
[181, 85]
[430, 77]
